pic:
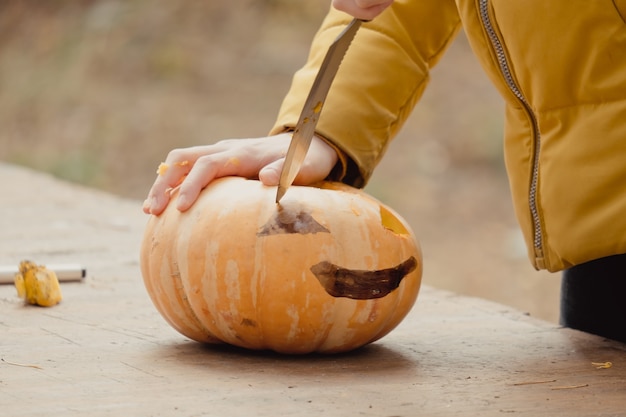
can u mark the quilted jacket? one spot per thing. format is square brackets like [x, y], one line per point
[560, 66]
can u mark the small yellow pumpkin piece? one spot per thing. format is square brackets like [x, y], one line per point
[37, 285]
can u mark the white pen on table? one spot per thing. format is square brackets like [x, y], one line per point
[64, 272]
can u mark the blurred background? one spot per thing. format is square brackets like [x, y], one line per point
[99, 91]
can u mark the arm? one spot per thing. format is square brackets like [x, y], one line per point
[382, 76]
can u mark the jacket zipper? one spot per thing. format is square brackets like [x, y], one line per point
[506, 73]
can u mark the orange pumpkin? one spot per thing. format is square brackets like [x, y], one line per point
[329, 269]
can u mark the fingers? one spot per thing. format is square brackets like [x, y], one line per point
[362, 9]
[188, 171]
[206, 169]
[170, 174]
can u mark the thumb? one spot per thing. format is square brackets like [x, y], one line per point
[270, 174]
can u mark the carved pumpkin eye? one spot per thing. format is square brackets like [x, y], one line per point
[328, 270]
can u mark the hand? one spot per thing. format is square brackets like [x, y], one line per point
[194, 168]
[362, 9]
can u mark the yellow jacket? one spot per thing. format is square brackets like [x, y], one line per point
[560, 66]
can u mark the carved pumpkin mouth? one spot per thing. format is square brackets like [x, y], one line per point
[361, 284]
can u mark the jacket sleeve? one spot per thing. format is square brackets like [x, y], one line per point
[381, 78]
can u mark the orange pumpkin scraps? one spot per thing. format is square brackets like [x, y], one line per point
[602, 365]
[163, 167]
[233, 161]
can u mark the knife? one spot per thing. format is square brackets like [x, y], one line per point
[305, 128]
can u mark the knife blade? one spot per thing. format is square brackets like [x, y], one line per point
[305, 128]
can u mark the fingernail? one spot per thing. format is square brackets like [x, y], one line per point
[269, 176]
[182, 202]
[154, 204]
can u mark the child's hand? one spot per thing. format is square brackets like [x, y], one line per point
[362, 9]
[194, 168]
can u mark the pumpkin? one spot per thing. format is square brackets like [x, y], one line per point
[329, 269]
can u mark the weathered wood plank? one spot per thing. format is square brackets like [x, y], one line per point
[105, 350]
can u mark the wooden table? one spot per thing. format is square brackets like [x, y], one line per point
[106, 351]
